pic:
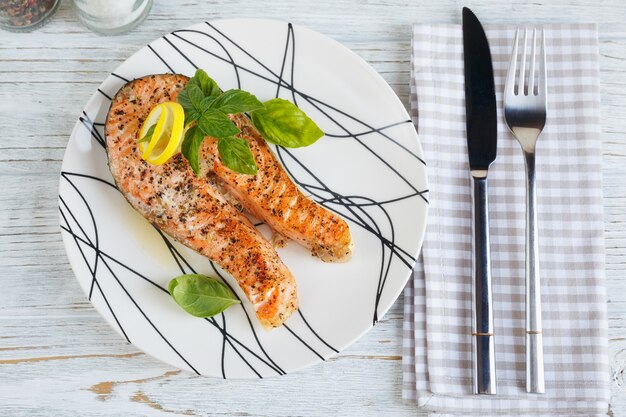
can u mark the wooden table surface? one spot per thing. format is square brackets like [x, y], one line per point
[58, 357]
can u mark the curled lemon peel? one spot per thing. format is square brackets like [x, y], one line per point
[167, 137]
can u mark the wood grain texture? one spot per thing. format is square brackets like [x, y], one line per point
[57, 355]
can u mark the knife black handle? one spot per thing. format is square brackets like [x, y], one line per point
[483, 346]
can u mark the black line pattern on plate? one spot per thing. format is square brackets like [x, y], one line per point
[95, 228]
[104, 94]
[230, 58]
[230, 339]
[120, 77]
[99, 257]
[179, 259]
[325, 109]
[160, 58]
[290, 29]
[67, 226]
[280, 82]
[91, 127]
[353, 208]
[189, 269]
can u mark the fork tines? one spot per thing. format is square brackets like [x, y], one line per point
[521, 81]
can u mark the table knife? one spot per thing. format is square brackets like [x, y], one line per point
[481, 124]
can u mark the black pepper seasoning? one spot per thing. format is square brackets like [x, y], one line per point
[25, 15]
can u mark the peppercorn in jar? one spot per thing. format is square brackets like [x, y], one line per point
[25, 15]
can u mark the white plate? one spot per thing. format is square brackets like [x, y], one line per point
[369, 168]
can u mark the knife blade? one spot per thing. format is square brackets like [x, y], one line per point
[482, 140]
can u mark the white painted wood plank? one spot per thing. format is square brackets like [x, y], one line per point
[58, 357]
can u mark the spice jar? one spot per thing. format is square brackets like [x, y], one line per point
[112, 17]
[25, 15]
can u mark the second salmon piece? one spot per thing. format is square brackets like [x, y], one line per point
[272, 196]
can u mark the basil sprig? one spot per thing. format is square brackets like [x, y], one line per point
[201, 296]
[206, 114]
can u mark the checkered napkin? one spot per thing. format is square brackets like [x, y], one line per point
[437, 323]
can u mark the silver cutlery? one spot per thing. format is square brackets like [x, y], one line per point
[525, 107]
[480, 105]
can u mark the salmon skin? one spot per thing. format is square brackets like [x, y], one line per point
[272, 196]
[190, 208]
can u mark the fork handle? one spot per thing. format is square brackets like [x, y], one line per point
[483, 345]
[534, 340]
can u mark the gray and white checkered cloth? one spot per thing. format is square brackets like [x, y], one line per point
[437, 342]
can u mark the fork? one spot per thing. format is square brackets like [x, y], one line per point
[525, 108]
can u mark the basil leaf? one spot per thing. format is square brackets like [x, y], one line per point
[207, 85]
[201, 296]
[216, 124]
[284, 124]
[237, 101]
[235, 153]
[193, 102]
[190, 147]
[148, 135]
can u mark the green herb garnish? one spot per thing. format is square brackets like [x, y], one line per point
[190, 147]
[194, 102]
[208, 86]
[201, 296]
[235, 154]
[206, 114]
[284, 124]
[148, 135]
[236, 101]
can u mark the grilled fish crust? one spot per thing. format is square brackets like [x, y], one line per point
[272, 196]
[190, 208]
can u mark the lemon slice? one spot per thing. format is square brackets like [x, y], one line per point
[169, 121]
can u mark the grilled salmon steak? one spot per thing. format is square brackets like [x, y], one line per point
[196, 211]
[272, 196]
[189, 208]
